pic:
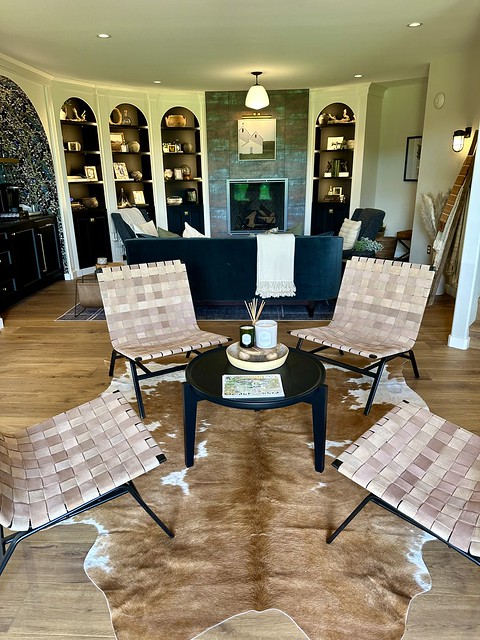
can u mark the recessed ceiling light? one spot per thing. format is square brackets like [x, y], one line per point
[414, 24]
[157, 82]
[358, 75]
[103, 35]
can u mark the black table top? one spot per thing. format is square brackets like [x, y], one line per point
[301, 374]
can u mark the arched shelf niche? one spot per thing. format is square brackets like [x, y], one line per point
[85, 181]
[131, 158]
[332, 167]
[182, 169]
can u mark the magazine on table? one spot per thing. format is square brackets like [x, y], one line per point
[261, 385]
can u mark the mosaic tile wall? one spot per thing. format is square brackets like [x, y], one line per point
[22, 136]
[223, 110]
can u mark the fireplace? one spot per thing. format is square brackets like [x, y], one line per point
[256, 205]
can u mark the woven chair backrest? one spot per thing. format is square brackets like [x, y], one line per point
[146, 301]
[383, 296]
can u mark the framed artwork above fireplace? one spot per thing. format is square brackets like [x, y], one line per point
[257, 139]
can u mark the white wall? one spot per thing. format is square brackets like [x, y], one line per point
[401, 117]
[439, 164]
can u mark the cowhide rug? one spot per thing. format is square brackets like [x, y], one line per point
[250, 521]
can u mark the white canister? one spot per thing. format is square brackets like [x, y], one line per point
[266, 334]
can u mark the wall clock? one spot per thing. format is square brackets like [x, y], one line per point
[439, 100]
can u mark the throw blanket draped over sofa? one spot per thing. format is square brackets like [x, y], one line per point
[225, 269]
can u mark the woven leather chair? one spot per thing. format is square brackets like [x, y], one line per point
[70, 463]
[425, 470]
[150, 315]
[377, 316]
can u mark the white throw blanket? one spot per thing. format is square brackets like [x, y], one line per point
[275, 258]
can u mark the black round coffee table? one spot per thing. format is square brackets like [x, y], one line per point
[302, 375]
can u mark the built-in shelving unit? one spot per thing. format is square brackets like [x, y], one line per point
[85, 181]
[132, 167]
[333, 165]
[182, 165]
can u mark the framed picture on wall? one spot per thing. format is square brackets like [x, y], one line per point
[412, 159]
[257, 139]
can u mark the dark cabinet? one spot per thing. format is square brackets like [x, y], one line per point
[92, 236]
[328, 216]
[177, 215]
[29, 257]
[49, 248]
[25, 257]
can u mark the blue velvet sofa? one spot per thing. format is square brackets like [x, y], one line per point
[222, 270]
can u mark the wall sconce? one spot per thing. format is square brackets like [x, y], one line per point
[459, 137]
[257, 97]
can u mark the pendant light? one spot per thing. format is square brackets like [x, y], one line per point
[257, 97]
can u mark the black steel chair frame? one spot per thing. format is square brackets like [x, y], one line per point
[373, 370]
[14, 539]
[147, 373]
[381, 503]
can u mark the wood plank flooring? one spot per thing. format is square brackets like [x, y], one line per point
[47, 367]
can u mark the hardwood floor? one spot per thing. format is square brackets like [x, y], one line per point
[47, 367]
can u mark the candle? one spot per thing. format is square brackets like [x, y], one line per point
[266, 334]
[247, 332]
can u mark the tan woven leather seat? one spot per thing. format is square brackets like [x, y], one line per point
[423, 468]
[70, 463]
[378, 313]
[150, 315]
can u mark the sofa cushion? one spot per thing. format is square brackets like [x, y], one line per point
[349, 231]
[297, 229]
[165, 233]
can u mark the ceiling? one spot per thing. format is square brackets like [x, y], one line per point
[214, 45]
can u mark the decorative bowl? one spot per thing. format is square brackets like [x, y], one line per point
[175, 120]
[257, 359]
[90, 203]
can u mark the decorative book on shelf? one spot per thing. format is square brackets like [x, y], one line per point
[265, 385]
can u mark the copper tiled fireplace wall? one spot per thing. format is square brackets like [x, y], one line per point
[224, 109]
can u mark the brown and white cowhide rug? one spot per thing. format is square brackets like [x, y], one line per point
[250, 521]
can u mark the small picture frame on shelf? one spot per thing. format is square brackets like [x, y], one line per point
[138, 197]
[334, 143]
[74, 146]
[172, 147]
[91, 173]
[120, 170]
[336, 191]
[116, 140]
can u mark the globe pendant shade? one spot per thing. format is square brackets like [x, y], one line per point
[257, 97]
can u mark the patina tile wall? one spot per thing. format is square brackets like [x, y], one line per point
[224, 109]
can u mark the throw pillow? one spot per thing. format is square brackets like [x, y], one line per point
[134, 218]
[190, 232]
[165, 233]
[297, 229]
[349, 231]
